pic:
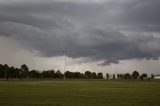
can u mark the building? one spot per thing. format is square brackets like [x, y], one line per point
[156, 76]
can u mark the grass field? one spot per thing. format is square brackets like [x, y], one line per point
[80, 93]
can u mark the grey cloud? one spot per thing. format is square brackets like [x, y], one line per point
[96, 42]
[85, 29]
[135, 14]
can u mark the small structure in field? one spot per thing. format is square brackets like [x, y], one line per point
[156, 76]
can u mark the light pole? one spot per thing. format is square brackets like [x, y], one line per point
[64, 66]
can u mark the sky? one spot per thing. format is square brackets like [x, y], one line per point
[109, 36]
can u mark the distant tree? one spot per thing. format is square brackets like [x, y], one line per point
[49, 74]
[6, 71]
[143, 76]
[34, 74]
[121, 76]
[2, 71]
[82, 75]
[24, 67]
[100, 76]
[77, 75]
[17, 73]
[152, 76]
[45, 74]
[25, 71]
[88, 74]
[114, 76]
[73, 75]
[107, 76]
[59, 75]
[68, 75]
[127, 76]
[135, 74]
[94, 75]
[20, 73]
[11, 72]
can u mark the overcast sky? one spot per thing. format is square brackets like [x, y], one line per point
[110, 36]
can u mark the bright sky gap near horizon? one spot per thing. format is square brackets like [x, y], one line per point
[109, 36]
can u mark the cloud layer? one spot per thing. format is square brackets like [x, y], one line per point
[100, 30]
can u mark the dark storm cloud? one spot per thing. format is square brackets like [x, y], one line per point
[85, 29]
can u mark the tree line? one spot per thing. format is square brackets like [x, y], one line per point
[24, 72]
[128, 76]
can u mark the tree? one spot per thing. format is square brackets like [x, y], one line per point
[58, 74]
[49, 74]
[2, 71]
[18, 73]
[94, 75]
[121, 76]
[114, 77]
[25, 71]
[100, 76]
[34, 74]
[152, 76]
[73, 75]
[135, 74]
[24, 67]
[107, 76]
[77, 75]
[143, 76]
[127, 76]
[6, 71]
[88, 74]
[11, 73]
[68, 74]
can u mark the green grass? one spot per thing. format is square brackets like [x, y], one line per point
[79, 93]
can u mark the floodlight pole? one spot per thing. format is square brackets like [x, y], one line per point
[64, 66]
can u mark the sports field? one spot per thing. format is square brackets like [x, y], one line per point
[79, 93]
